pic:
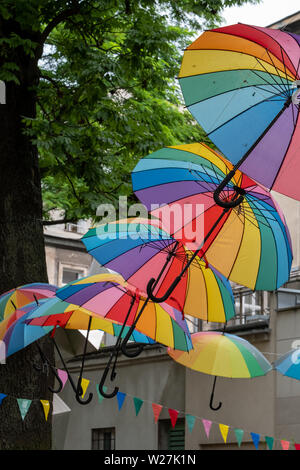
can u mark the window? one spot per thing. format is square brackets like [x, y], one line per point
[170, 438]
[103, 439]
[70, 275]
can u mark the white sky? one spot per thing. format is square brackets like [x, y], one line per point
[263, 14]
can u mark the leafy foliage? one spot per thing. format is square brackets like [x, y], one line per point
[107, 94]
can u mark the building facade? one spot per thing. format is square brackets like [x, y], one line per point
[265, 406]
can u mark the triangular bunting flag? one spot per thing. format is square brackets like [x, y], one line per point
[24, 405]
[255, 439]
[270, 442]
[62, 374]
[101, 397]
[46, 406]
[239, 433]
[207, 425]
[285, 444]
[224, 431]
[84, 385]
[120, 397]
[173, 415]
[59, 405]
[190, 421]
[137, 404]
[156, 411]
[2, 396]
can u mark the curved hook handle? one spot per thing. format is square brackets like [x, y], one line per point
[48, 364]
[166, 295]
[101, 385]
[212, 407]
[60, 385]
[78, 396]
[235, 201]
[139, 346]
[136, 351]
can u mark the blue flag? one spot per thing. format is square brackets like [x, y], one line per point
[120, 397]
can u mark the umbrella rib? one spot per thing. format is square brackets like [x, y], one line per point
[274, 85]
[281, 50]
[297, 76]
[276, 41]
[279, 76]
[281, 84]
[238, 115]
[286, 152]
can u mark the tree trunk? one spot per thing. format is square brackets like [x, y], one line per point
[22, 259]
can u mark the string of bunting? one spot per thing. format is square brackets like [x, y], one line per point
[24, 405]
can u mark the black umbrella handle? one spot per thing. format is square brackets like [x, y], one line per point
[102, 382]
[166, 295]
[211, 405]
[236, 201]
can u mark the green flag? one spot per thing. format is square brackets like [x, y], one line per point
[137, 404]
[190, 421]
[239, 433]
[269, 441]
[101, 397]
[24, 405]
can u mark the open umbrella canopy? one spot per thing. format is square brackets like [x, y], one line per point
[289, 364]
[251, 243]
[139, 249]
[241, 83]
[65, 315]
[16, 334]
[24, 295]
[223, 355]
[108, 296]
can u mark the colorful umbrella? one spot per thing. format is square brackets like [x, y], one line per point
[109, 296]
[139, 248]
[14, 332]
[23, 295]
[241, 83]
[77, 318]
[223, 355]
[289, 364]
[15, 335]
[249, 244]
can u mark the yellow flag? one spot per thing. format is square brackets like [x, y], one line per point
[224, 431]
[46, 407]
[84, 386]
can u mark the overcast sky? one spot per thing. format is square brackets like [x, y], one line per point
[263, 14]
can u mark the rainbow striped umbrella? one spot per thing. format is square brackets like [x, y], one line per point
[249, 244]
[241, 83]
[108, 296]
[289, 364]
[139, 249]
[65, 315]
[24, 295]
[14, 332]
[223, 355]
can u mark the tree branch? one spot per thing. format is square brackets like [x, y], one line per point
[61, 17]
[59, 221]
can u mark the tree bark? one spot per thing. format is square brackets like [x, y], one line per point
[22, 257]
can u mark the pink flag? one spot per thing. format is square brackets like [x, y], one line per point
[285, 445]
[156, 410]
[62, 374]
[207, 425]
[173, 415]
